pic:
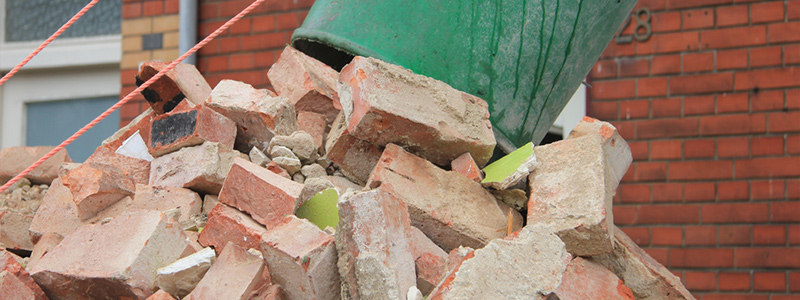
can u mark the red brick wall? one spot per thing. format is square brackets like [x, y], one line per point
[710, 106]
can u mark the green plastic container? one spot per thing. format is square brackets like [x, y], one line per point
[525, 58]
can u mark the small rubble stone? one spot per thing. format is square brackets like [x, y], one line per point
[275, 168]
[200, 168]
[313, 186]
[258, 157]
[449, 208]
[308, 83]
[313, 171]
[571, 192]
[115, 259]
[515, 198]
[465, 165]
[172, 131]
[14, 160]
[95, 187]
[10, 265]
[302, 260]
[229, 225]
[535, 257]
[46, 242]
[235, 274]
[646, 277]
[180, 277]
[267, 197]
[258, 115]
[314, 124]
[160, 295]
[385, 103]
[584, 279]
[183, 81]
[300, 143]
[291, 165]
[375, 259]
[414, 294]
[298, 177]
[356, 158]
[14, 230]
[281, 151]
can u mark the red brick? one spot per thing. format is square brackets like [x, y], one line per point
[768, 100]
[734, 235]
[769, 235]
[769, 281]
[732, 15]
[667, 214]
[794, 281]
[793, 95]
[240, 61]
[764, 146]
[639, 235]
[669, 64]
[768, 78]
[661, 255]
[704, 83]
[228, 224]
[698, 170]
[784, 121]
[785, 211]
[733, 147]
[265, 40]
[629, 67]
[766, 12]
[733, 124]
[667, 192]
[604, 68]
[684, 127]
[674, 4]
[794, 189]
[700, 258]
[465, 165]
[766, 56]
[288, 21]
[733, 190]
[263, 23]
[613, 89]
[734, 281]
[667, 236]
[624, 215]
[669, 43]
[153, 8]
[654, 5]
[768, 258]
[733, 37]
[699, 191]
[768, 167]
[784, 32]
[735, 213]
[634, 193]
[666, 149]
[731, 59]
[665, 21]
[701, 235]
[700, 281]
[698, 148]
[698, 105]
[669, 107]
[604, 110]
[131, 10]
[698, 18]
[730, 296]
[171, 6]
[634, 109]
[652, 87]
[209, 10]
[698, 62]
[793, 10]
[614, 50]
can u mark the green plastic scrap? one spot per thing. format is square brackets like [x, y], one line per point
[506, 166]
[321, 209]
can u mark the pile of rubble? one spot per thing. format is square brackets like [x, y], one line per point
[364, 184]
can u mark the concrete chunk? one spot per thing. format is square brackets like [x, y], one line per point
[310, 85]
[526, 266]
[14, 160]
[180, 277]
[615, 149]
[111, 260]
[266, 196]
[172, 131]
[236, 274]
[356, 158]
[385, 103]
[302, 260]
[95, 187]
[449, 208]
[375, 259]
[227, 224]
[183, 81]
[584, 279]
[200, 168]
[258, 115]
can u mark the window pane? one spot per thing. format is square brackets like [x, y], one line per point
[50, 123]
[31, 20]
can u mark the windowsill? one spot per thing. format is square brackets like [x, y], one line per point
[64, 52]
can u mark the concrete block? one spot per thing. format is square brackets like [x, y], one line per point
[314, 124]
[385, 103]
[95, 187]
[14, 230]
[375, 258]
[584, 279]
[10, 266]
[180, 277]
[302, 259]
[229, 225]
[258, 115]
[14, 160]
[647, 278]
[615, 148]
[183, 81]
[449, 208]
[526, 266]
[137, 169]
[200, 168]
[57, 214]
[571, 193]
[115, 259]
[236, 274]
[465, 165]
[160, 295]
[13, 289]
[308, 84]
[46, 242]
[160, 198]
[429, 260]
[172, 131]
[266, 196]
[356, 158]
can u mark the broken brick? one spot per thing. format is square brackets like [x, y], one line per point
[200, 168]
[465, 165]
[140, 124]
[13, 289]
[160, 295]
[235, 274]
[258, 115]
[172, 131]
[584, 279]
[14, 230]
[275, 168]
[14, 160]
[160, 198]
[57, 214]
[356, 158]
[429, 260]
[449, 208]
[302, 259]
[309, 84]
[182, 81]
[314, 124]
[46, 242]
[12, 267]
[384, 103]
[615, 149]
[137, 169]
[266, 196]
[229, 225]
[95, 187]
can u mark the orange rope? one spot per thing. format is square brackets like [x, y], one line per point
[47, 42]
[134, 92]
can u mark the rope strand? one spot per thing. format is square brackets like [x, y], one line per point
[130, 95]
